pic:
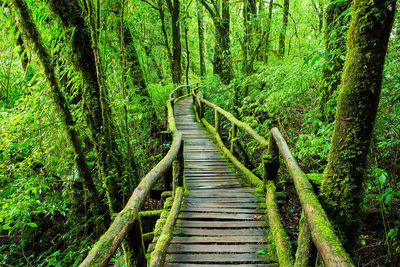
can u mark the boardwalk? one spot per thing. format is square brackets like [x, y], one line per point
[221, 222]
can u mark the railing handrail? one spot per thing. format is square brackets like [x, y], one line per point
[326, 241]
[323, 236]
[237, 122]
[106, 246]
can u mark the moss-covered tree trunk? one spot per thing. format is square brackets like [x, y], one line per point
[222, 54]
[200, 25]
[249, 26]
[264, 50]
[336, 27]
[31, 33]
[96, 108]
[174, 7]
[282, 35]
[367, 41]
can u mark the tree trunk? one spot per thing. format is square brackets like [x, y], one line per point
[174, 8]
[96, 109]
[249, 21]
[200, 26]
[335, 49]
[150, 55]
[282, 35]
[32, 34]
[265, 47]
[222, 54]
[357, 106]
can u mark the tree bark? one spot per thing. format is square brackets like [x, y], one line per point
[200, 25]
[335, 49]
[282, 35]
[357, 106]
[176, 66]
[222, 55]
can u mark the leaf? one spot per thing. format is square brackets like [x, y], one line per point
[33, 225]
[262, 252]
[393, 233]
[181, 234]
[382, 179]
[257, 217]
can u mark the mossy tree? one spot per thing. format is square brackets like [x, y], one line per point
[97, 110]
[358, 99]
[336, 27]
[219, 13]
[282, 35]
[32, 35]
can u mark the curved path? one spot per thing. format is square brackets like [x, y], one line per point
[221, 222]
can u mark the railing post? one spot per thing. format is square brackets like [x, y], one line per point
[233, 137]
[166, 138]
[178, 166]
[271, 161]
[201, 109]
[217, 129]
[134, 246]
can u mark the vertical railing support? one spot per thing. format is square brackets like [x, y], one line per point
[217, 124]
[271, 162]
[166, 138]
[178, 166]
[233, 138]
[134, 246]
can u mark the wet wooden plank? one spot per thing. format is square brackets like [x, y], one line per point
[219, 216]
[221, 205]
[220, 224]
[219, 239]
[233, 191]
[227, 199]
[224, 210]
[243, 257]
[219, 265]
[182, 248]
[220, 194]
[218, 232]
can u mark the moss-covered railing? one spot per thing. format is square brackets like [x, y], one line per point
[315, 226]
[125, 227]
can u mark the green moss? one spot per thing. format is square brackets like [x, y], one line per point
[148, 213]
[281, 240]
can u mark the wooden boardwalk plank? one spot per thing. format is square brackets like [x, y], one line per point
[218, 232]
[242, 257]
[219, 216]
[194, 248]
[220, 224]
[218, 239]
[220, 265]
[230, 210]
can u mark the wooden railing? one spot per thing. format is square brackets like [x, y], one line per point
[316, 222]
[123, 226]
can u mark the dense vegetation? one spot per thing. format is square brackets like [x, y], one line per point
[83, 86]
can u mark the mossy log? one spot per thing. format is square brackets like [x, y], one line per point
[282, 243]
[158, 255]
[322, 232]
[105, 248]
[261, 140]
